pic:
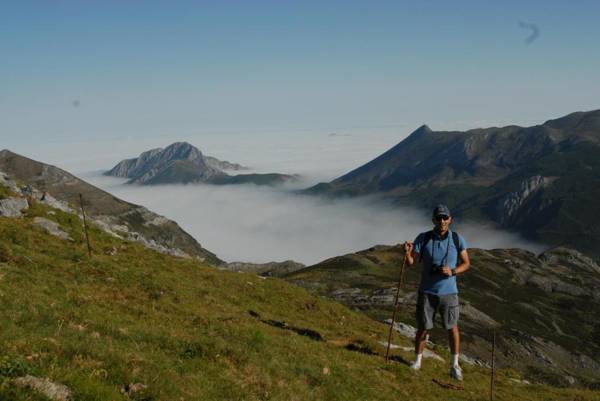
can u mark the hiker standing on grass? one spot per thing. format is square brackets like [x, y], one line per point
[439, 251]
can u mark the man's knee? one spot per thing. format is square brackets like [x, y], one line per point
[454, 330]
[421, 333]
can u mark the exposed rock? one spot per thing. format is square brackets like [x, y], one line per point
[51, 201]
[12, 207]
[156, 221]
[473, 361]
[112, 251]
[106, 227]
[378, 297]
[134, 389]
[570, 258]
[518, 381]
[554, 284]
[404, 329]
[345, 293]
[530, 308]
[9, 183]
[51, 227]
[541, 282]
[475, 314]
[511, 202]
[223, 165]
[150, 243]
[54, 391]
[265, 269]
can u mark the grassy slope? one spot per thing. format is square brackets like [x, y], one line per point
[183, 329]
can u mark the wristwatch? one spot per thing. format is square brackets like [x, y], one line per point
[454, 272]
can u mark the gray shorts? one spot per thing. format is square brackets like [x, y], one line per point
[428, 305]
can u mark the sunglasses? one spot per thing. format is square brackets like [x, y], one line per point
[441, 217]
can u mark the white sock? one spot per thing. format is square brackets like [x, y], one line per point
[455, 360]
[418, 360]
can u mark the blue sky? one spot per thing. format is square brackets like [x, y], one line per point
[113, 69]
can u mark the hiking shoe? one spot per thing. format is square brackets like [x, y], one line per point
[415, 366]
[456, 373]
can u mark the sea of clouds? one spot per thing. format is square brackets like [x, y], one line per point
[261, 224]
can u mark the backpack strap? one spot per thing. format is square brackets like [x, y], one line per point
[426, 239]
[456, 241]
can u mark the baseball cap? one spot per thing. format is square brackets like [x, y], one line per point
[441, 210]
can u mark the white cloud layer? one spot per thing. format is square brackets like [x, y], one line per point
[261, 224]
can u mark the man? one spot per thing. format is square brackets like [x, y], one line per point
[438, 251]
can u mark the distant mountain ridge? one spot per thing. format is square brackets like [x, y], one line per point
[543, 181]
[182, 163]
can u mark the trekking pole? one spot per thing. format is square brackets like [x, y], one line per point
[400, 282]
[85, 229]
[493, 366]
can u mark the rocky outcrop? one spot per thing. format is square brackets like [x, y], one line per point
[6, 181]
[271, 269]
[50, 389]
[12, 207]
[223, 165]
[51, 227]
[571, 258]
[510, 204]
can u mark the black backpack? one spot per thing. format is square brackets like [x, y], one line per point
[429, 235]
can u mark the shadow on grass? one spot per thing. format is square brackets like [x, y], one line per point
[312, 334]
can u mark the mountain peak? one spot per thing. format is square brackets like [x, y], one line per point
[181, 151]
[422, 130]
[180, 162]
[181, 145]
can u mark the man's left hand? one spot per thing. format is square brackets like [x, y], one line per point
[446, 271]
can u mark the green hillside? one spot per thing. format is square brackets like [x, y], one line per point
[187, 331]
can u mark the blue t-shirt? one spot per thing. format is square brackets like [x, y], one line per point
[442, 252]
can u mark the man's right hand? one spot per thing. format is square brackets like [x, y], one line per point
[408, 249]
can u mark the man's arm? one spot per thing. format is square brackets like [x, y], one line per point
[411, 255]
[463, 267]
[466, 263]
